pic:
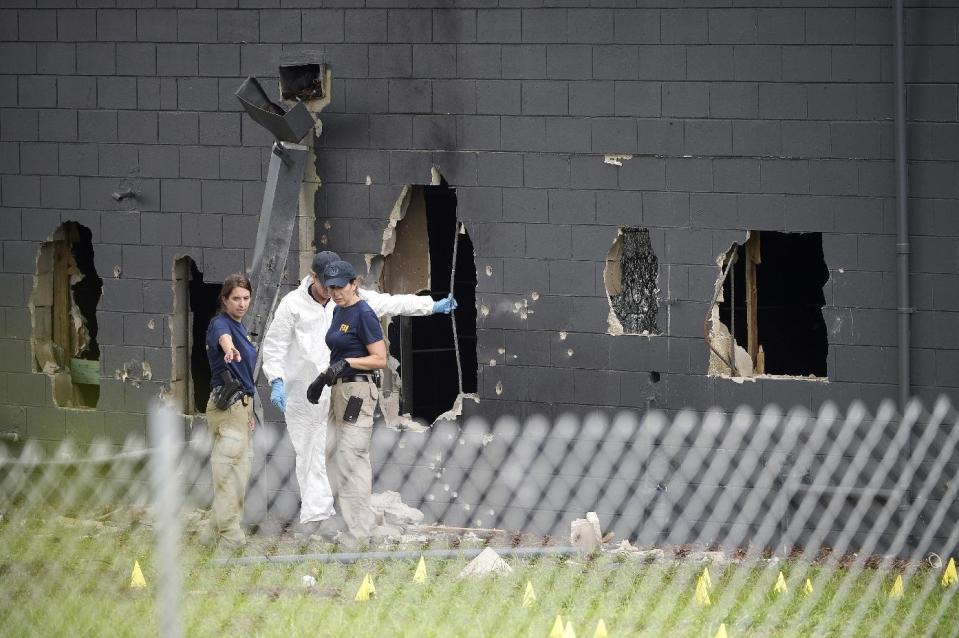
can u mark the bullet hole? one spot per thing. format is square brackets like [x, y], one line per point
[499, 388]
[534, 296]
[654, 377]
[631, 276]
[492, 363]
[569, 352]
[194, 304]
[489, 271]
[64, 301]
[767, 318]
[562, 336]
[151, 324]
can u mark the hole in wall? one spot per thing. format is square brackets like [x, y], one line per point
[770, 303]
[301, 81]
[419, 258]
[194, 304]
[63, 303]
[654, 377]
[631, 276]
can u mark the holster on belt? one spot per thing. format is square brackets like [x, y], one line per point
[227, 394]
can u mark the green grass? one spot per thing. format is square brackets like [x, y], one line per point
[58, 578]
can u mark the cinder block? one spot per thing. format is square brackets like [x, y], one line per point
[159, 161]
[136, 126]
[781, 26]
[733, 26]
[457, 167]
[684, 26]
[78, 159]
[758, 63]
[391, 61]
[454, 96]
[18, 57]
[117, 159]
[142, 262]
[689, 174]
[499, 25]
[592, 242]
[616, 62]
[757, 137]
[198, 162]
[366, 25]
[137, 330]
[642, 99]
[20, 191]
[569, 61]
[613, 135]
[636, 26]
[120, 294]
[57, 58]
[237, 26]
[484, 204]
[708, 137]
[856, 64]
[219, 263]
[591, 98]
[832, 102]
[279, 25]
[785, 176]
[662, 62]
[260, 60]
[685, 99]
[96, 58]
[240, 163]
[523, 133]
[409, 167]
[59, 192]
[408, 25]
[319, 25]
[161, 228]
[830, 26]
[806, 63]
[218, 59]
[156, 25]
[197, 94]
[807, 214]
[526, 205]
[37, 91]
[805, 139]
[222, 197]
[734, 100]
[180, 195]
[435, 60]
[526, 62]
[665, 210]
[524, 276]
[544, 25]
[76, 25]
[410, 96]
[591, 172]
[833, 178]
[38, 158]
[77, 92]
[620, 208]
[545, 171]
[454, 25]
[732, 175]
[865, 364]
[709, 63]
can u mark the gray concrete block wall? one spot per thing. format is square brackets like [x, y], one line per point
[737, 118]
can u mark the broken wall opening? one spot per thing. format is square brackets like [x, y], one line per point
[63, 304]
[631, 276]
[195, 303]
[771, 303]
[420, 259]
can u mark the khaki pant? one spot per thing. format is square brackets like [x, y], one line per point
[348, 456]
[231, 461]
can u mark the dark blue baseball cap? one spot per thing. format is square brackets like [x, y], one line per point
[322, 259]
[338, 273]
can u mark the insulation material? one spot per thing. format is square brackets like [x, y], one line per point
[406, 267]
[631, 278]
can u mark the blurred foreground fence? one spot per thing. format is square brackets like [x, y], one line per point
[770, 524]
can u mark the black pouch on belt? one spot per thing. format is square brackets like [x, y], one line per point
[227, 394]
[352, 411]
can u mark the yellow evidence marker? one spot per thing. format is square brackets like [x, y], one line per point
[807, 588]
[721, 632]
[896, 591]
[420, 575]
[557, 630]
[529, 596]
[780, 586]
[601, 630]
[137, 581]
[707, 579]
[569, 632]
[367, 590]
[702, 592]
[949, 577]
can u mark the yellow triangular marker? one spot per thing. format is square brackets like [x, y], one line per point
[702, 592]
[896, 591]
[569, 632]
[420, 575]
[807, 588]
[780, 586]
[137, 581]
[529, 596]
[721, 632]
[949, 577]
[367, 590]
[557, 630]
[600, 630]
[707, 579]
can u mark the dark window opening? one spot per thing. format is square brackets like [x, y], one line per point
[772, 302]
[66, 292]
[631, 277]
[301, 81]
[202, 305]
[424, 346]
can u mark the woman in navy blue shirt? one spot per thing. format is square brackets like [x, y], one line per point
[228, 349]
[357, 349]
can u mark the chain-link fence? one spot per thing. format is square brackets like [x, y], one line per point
[695, 525]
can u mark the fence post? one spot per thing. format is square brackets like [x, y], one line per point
[166, 437]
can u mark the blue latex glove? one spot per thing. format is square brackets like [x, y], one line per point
[277, 395]
[446, 306]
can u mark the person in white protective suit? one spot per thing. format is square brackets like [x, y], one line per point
[295, 352]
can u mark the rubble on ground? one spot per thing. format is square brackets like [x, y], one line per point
[488, 562]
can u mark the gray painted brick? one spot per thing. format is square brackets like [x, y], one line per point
[117, 159]
[685, 99]
[222, 197]
[38, 158]
[77, 92]
[366, 25]
[785, 176]
[202, 230]
[689, 246]
[156, 25]
[526, 205]
[665, 210]
[20, 191]
[708, 137]
[392, 131]
[592, 242]
[155, 93]
[781, 26]
[568, 135]
[662, 63]
[37, 91]
[544, 25]
[501, 240]
[590, 172]
[787, 101]
[321, 25]
[177, 128]
[833, 178]
[435, 60]
[641, 99]
[219, 59]
[261, 59]
[392, 61]
[591, 98]
[237, 26]
[805, 139]
[18, 57]
[457, 167]
[196, 25]
[57, 58]
[240, 232]
[78, 159]
[478, 61]
[159, 161]
[757, 137]
[76, 25]
[619, 208]
[38, 224]
[410, 96]
[569, 62]
[733, 26]
[806, 64]
[142, 262]
[454, 25]
[855, 139]
[545, 98]
[523, 133]
[933, 102]
[117, 93]
[545, 171]
[36, 25]
[96, 58]
[713, 210]
[590, 25]
[636, 26]
[434, 132]
[616, 62]
[806, 214]
[689, 174]
[643, 173]
[366, 96]
[660, 137]
[736, 175]
[566, 207]
[8, 24]
[454, 96]
[60, 125]
[734, 100]
[137, 126]
[409, 167]
[525, 61]
[180, 195]
[408, 25]
[177, 59]
[761, 212]
[161, 228]
[873, 26]
[480, 204]
[684, 26]
[240, 163]
[832, 102]
[709, 63]
[219, 128]
[499, 25]
[9, 157]
[856, 64]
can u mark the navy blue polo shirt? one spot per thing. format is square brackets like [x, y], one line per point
[242, 371]
[351, 330]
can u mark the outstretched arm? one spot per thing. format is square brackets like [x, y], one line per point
[386, 305]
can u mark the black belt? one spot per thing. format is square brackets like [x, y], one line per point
[355, 378]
